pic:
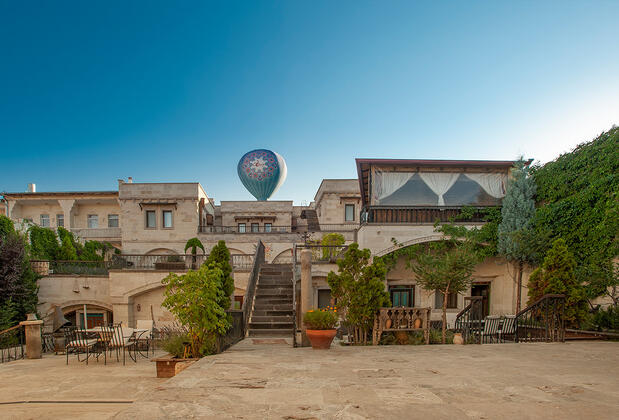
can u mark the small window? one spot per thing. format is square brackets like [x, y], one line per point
[44, 220]
[267, 227]
[452, 300]
[402, 296]
[350, 213]
[93, 221]
[238, 302]
[255, 228]
[167, 219]
[324, 298]
[60, 220]
[112, 220]
[241, 227]
[151, 219]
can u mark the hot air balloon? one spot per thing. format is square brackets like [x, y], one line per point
[262, 172]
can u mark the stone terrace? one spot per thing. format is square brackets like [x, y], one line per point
[575, 380]
[501, 381]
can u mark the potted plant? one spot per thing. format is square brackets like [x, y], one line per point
[177, 343]
[320, 326]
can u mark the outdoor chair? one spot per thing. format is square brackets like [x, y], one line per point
[78, 343]
[122, 341]
[491, 329]
[508, 329]
[145, 340]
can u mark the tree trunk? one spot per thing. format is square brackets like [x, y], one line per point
[519, 286]
[445, 295]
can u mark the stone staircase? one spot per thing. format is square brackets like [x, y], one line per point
[313, 225]
[271, 314]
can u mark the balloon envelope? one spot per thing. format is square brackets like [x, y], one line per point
[262, 172]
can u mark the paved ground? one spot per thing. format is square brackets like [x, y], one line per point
[274, 381]
[508, 381]
[49, 389]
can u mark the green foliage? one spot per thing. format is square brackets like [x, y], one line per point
[320, 319]
[18, 282]
[416, 338]
[334, 241]
[194, 244]
[43, 243]
[193, 299]
[359, 289]
[578, 193]
[603, 319]
[67, 248]
[556, 275]
[220, 255]
[6, 226]
[175, 344]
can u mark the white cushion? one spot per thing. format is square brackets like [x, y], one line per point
[83, 343]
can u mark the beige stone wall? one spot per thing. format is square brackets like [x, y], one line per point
[234, 212]
[136, 199]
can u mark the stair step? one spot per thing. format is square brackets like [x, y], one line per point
[272, 313]
[271, 318]
[271, 308]
[271, 332]
[270, 325]
[274, 294]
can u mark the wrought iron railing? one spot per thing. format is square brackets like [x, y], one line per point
[92, 268]
[12, 344]
[250, 291]
[416, 214]
[469, 321]
[542, 320]
[322, 253]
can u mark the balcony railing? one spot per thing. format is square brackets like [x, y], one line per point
[324, 254]
[414, 214]
[97, 233]
[324, 227]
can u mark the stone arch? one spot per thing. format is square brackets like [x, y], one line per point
[283, 257]
[72, 305]
[143, 289]
[420, 240]
[162, 251]
[236, 251]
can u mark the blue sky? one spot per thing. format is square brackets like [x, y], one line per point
[179, 91]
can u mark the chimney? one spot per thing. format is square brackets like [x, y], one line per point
[120, 182]
[130, 180]
[32, 188]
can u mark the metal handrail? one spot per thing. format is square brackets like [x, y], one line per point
[294, 295]
[543, 320]
[250, 292]
[12, 347]
[469, 320]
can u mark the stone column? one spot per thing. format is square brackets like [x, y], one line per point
[32, 327]
[306, 290]
[67, 209]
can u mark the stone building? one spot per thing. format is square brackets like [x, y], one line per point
[392, 203]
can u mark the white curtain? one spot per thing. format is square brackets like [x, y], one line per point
[439, 182]
[386, 183]
[493, 184]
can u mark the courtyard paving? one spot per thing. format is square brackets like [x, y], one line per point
[575, 380]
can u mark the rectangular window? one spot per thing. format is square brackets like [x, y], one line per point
[324, 298]
[350, 213]
[167, 219]
[44, 220]
[60, 220]
[255, 227]
[452, 300]
[112, 220]
[267, 227]
[238, 302]
[402, 296]
[241, 227]
[93, 221]
[151, 219]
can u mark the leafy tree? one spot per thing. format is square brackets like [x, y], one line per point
[578, 201]
[194, 244]
[193, 299]
[334, 241]
[359, 289]
[445, 266]
[67, 248]
[18, 287]
[43, 243]
[515, 232]
[6, 226]
[220, 255]
[556, 275]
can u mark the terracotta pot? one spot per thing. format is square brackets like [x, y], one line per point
[321, 339]
[458, 338]
[418, 322]
[388, 324]
[401, 337]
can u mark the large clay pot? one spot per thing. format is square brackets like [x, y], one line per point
[418, 322]
[458, 338]
[321, 339]
[388, 323]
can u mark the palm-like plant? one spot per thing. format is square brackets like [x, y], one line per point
[194, 244]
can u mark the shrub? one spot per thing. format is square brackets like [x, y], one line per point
[175, 344]
[320, 319]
